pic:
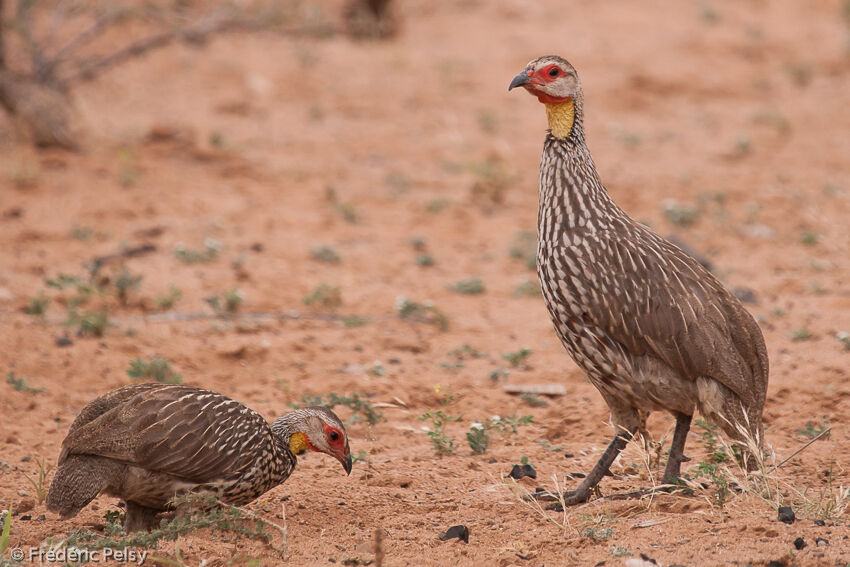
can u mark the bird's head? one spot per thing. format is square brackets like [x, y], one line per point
[555, 83]
[315, 429]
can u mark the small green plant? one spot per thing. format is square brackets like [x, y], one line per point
[511, 422]
[437, 205]
[355, 402]
[620, 551]
[524, 248]
[128, 173]
[478, 438]
[91, 323]
[597, 528]
[125, 282]
[598, 534]
[81, 232]
[844, 338]
[227, 303]
[812, 430]
[442, 443]
[38, 482]
[471, 286]
[156, 368]
[680, 214]
[532, 399]
[37, 306]
[345, 210]
[418, 243]
[354, 321]
[421, 312]
[711, 442]
[359, 457]
[424, 260]
[714, 473]
[169, 299]
[551, 448]
[527, 289]
[499, 374]
[325, 296]
[466, 351]
[19, 384]
[801, 334]
[518, 358]
[115, 518]
[207, 254]
[5, 537]
[809, 238]
[327, 254]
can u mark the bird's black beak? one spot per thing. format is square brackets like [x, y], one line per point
[347, 464]
[520, 80]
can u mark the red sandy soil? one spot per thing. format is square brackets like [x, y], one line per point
[685, 101]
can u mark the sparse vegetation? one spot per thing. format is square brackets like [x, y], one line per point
[524, 248]
[227, 303]
[478, 438]
[424, 260]
[527, 288]
[809, 238]
[442, 443]
[155, 368]
[92, 323]
[801, 334]
[327, 254]
[518, 358]
[363, 410]
[680, 214]
[812, 429]
[425, 312]
[37, 305]
[169, 299]
[19, 384]
[844, 339]
[125, 282]
[533, 400]
[437, 205]
[344, 209]
[499, 374]
[38, 482]
[325, 296]
[206, 254]
[471, 286]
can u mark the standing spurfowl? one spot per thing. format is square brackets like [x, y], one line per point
[651, 327]
[147, 443]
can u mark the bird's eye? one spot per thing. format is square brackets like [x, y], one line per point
[333, 436]
[554, 72]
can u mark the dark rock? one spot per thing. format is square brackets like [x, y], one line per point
[521, 471]
[577, 474]
[776, 563]
[491, 461]
[63, 341]
[786, 515]
[25, 517]
[257, 247]
[569, 455]
[556, 506]
[460, 532]
[799, 543]
[41, 518]
[820, 523]
[645, 557]
[820, 540]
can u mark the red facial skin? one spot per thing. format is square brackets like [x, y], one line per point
[541, 77]
[339, 444]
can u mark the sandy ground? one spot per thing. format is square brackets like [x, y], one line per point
[735, 109]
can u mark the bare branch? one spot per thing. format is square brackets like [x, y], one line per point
[97, 27]
[25, 25]
[197, 33]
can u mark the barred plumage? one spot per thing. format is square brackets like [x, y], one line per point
[147, 443]
[651, 327]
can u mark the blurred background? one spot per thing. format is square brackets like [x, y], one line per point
[289, 200]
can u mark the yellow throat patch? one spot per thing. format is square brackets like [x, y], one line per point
[298, 443]
[561, 116]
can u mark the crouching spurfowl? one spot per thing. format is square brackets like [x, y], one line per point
[147, 443]
[651, 327]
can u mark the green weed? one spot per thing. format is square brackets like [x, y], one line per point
[471, 286]
[156, 368]
[421, 312]
[19, 384]
[518, 359]
[325, 296]
[442, 443]
[169, 299]
[355, 402]
[208, 253]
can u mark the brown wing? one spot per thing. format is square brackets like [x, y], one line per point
[186, 432]
[678, 312]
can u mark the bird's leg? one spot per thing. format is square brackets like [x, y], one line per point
[139, 518]
[582, 493]
[677, 449]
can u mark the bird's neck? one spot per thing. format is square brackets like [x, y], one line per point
[572, 197]
[561, 117]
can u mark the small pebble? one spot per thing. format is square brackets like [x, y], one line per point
[63, 341]
[460, 532]
[799, 543]
[820, 540]
[820, 523]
